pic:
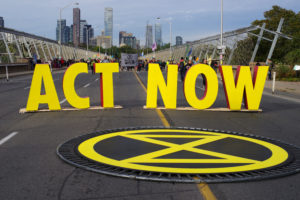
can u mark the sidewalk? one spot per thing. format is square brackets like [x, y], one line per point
[285, 86]
[15, 74]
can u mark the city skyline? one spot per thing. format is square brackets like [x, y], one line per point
[187, 20]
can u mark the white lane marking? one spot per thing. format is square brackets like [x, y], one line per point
[96, 79]
[63, 101]
[8, 137]
[27, 88]
[87, 85]
[282, 97]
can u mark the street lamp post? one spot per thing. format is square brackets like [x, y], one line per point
[87, 38]
[221, 39]
[170, 40]
[60, 11]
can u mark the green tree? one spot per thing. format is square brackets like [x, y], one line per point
[291, 27]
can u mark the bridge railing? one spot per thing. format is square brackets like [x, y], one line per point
[17, 47]
[240, 49]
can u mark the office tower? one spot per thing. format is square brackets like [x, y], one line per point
[71, 34]
[149, 36]
[129, 41]
[108, 22]
[65, 31]
[158, 34]
[1, 22]
[91, 32]
[102, 41]
[76, 26]
[123, 34]
[178, 40]
[82, 35]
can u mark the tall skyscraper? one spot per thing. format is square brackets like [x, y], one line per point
[149, 36]
[158, 34]
[76, 26]
[178, 40]
[1, 22]
[108, 22]
[65, 31]
[82, 35]
[71, 34]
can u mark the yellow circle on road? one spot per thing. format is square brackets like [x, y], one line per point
[208, 161]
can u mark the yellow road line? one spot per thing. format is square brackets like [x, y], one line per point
[203, 187]
[160, 114]
[206, 191]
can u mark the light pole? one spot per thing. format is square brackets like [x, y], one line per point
[87, 38]
[221, 39]
[170, 40]
[60, 11]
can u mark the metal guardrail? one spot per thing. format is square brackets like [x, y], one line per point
[16, 45]
[208, 46]
[11, 65]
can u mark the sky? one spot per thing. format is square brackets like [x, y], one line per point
[191, 19]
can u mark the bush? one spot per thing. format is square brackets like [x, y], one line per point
[286, 73]
[282, 71]
[293, 57]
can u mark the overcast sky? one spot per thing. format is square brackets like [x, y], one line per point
[191, 19]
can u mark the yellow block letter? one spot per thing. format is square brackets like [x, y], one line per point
[211, 90]
[41, 74]
[243, 84]
[156, 81]
[106, 80]
[69, 86]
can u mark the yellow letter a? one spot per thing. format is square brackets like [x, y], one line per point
[41, 74]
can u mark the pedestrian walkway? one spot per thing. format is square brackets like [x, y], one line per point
[22, 73]
[285, 86]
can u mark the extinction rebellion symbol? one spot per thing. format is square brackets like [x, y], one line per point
[184, 152]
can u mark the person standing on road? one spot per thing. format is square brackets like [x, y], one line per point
[271, 68]
[105, 60]
[182, 68]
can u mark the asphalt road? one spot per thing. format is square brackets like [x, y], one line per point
[30, 168]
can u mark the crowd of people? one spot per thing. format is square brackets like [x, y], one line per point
[183, 65]
[143, 65]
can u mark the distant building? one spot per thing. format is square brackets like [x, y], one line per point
[82, 35]
[71, 34]
[65, 31]
[108, 22]
[123, 34]
[76, 26]
[179, 40]
[91, 33]
[149, 36]
[102, 41]
[158, 34]
[129, 41]
[1, 22]
[138, 44]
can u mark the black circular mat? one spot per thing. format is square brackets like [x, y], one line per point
[181, 155]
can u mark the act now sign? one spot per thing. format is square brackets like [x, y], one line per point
[242, 86]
